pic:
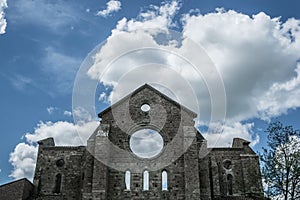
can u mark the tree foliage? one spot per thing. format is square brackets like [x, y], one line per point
[281, 162]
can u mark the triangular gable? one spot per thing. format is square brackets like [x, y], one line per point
[193, 114]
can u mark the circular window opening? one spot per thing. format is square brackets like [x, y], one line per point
[145, 107]
[146, 143]
[227, 164]
[60, 162]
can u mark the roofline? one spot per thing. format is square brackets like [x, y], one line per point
[155, 90]
[19, 180]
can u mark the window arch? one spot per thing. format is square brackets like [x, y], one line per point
[164, 180]
[39, 186]
[146, 180]
[229, 184]
[127, 179]
[57, 186]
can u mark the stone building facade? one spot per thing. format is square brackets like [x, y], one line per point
[17, 190]
[185, 168]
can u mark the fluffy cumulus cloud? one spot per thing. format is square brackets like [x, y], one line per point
[130, 33]
[153, 18]
[281, 97]
[23, 158]
[64, 133]
[3, 23]
[256, 58]
[222, 135]
[112, 6]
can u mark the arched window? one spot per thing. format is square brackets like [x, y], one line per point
[57, 186]
[164, 180]
[146, 180]
[39, 185]
[229, 183]
[127, 180]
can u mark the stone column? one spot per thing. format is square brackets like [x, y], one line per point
[191, 168]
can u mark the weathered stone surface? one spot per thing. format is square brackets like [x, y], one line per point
[98, 170]
[18, 190]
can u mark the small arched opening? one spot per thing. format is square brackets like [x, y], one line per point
[229, 184]
[57, 186]
[146, 180]
[127, 179]
[164, 180]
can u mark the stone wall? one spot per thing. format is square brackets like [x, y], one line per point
[97, 171]
[166, 117]
[234, 172]
[59, 172]
[18, 190]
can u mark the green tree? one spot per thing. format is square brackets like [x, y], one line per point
[281, 162]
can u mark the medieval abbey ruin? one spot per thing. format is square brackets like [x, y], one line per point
[110, 168]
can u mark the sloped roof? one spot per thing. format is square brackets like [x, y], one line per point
[152, 89]
[17, 181]
[19, 189]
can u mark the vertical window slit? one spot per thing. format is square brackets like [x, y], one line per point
[127, 180]
[229, 182]
[164, 180]
[57, 187]
[146, 180]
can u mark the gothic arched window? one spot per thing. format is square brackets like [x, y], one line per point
[146, 180]
[164, 180]
[127, 179]
[57, 186]
[229, 183]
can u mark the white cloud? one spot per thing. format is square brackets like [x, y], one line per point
[280, 97]
[64, 133]
[154, 18]
[130, 33]
[50, 110]
[112, 6]
[57, 110]
[103, 97]
[253, 54]
[23, 158]
[67, 113]
[3, 23]
[82, 116]
[222, 134]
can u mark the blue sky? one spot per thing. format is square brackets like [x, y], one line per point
[43, 44]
